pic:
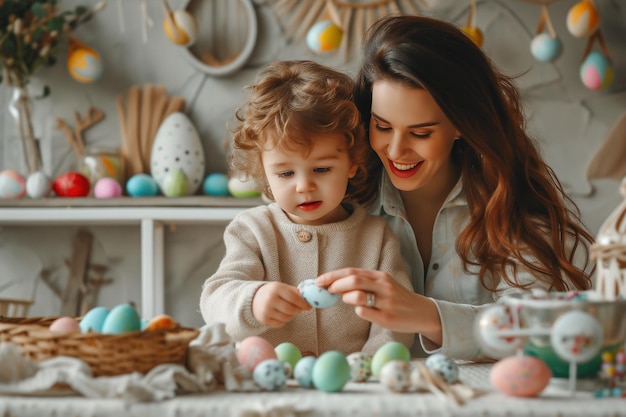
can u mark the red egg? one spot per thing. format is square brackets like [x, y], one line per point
[71, 184]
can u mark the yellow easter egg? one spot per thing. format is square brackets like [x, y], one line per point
[324, 36]
[184, 29]
[582, 19]
[84, 65]
[475, 34]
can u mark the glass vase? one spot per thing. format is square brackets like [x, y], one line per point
[21, 109]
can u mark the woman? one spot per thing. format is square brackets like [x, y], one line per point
[478, 212]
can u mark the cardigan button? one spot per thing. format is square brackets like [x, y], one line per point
[304, 236]
[435, 266]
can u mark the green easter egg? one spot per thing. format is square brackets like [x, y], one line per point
[331, 371]
[388, 352]
[288, 352]
[175, 184]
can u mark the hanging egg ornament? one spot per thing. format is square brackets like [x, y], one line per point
[596, 72]
[475, 34]
[324, 36]
[545, 48]
[12, 184]
[83, 63]
[181, 28]
[583, 19]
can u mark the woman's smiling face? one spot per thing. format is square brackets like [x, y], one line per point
[411, 135]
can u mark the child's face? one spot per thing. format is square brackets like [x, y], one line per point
[310, 188]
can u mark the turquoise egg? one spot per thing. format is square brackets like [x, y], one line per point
[596, 72]
[331, 371]
[545, 48]
[388, 352]
[288, 353]
[94, 320]
[324, 36]
[142, 185]
[216, 184]
[303, 372]
[122, 318]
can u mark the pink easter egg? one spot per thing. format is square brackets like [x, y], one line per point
[107, 188]
[254, 350]
[12, 184]
[64, 325]
[520, 376]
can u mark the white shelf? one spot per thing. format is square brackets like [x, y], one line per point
[150, 214]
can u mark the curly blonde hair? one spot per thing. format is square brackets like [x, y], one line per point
[290, 103]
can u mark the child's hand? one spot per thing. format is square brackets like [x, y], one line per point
[275, 303]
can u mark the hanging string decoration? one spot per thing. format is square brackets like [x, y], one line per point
[345, 22]
[470, 29]
[545, 46]
[596, 71]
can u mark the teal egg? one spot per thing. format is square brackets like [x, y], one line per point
[94, 320]
[331, 371]
[388, 352]
[303, 372]
[122, 318]
[216, 184]
[289, 353]
[545, 48]
[142, 185]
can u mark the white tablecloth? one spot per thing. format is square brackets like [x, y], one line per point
[362, 400]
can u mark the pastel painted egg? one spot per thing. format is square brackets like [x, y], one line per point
[396, 376]
[176, 147]
[83, 63]
[582, 19]
[596, 71]
[360, 366]
[142, 185]
[303, 372]
[64, 325]
[12, 184]
[489, 324]
[545, 48]
[216, 184]
[520, 376]
[175, 184]
[475, 34]
[288, 353]
[324, 36]
[271, 375]
[107, 188]
[317, 297]
[71, 184]
[184, 30]
[388, 352]
[38, 185]
[331, 371]
[122, 318]
[253, 350]
[576, 336]
[243, 188]
[93, 320]
[162, 321]
[447, 368]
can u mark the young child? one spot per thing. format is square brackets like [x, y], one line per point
[299, 136]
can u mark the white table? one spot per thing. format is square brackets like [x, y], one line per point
[362, 400]
[149, 213]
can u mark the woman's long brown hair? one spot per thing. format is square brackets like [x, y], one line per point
[519, 212]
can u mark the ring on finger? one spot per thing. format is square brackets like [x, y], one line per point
[370, 299]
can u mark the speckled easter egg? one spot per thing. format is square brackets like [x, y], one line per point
[271, 375]
[545, 48]
[582, 19]
[360, 366]
[253, 350]
[447, 368]
[303, 371]
[107, 188]
[142, 185]
[396, 376]
[177, 146]
[596, 71]
[520, 376]
[12, 184]
[388, 352]
[317, 297]
[331, 371]
[324, 36]
[38, 185]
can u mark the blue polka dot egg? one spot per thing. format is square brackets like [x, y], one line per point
[446, 367]
[317, 297]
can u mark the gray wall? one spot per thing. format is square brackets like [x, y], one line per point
[568, 120]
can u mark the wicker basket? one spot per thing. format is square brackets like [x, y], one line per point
[106, 355]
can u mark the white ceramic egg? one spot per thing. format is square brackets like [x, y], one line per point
[396, 376]
[38, 185]
[177, 146]
[360, 366]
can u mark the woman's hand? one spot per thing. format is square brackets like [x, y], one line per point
[394, 307]
[275, 303]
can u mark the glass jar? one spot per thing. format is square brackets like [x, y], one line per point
[100, 163]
